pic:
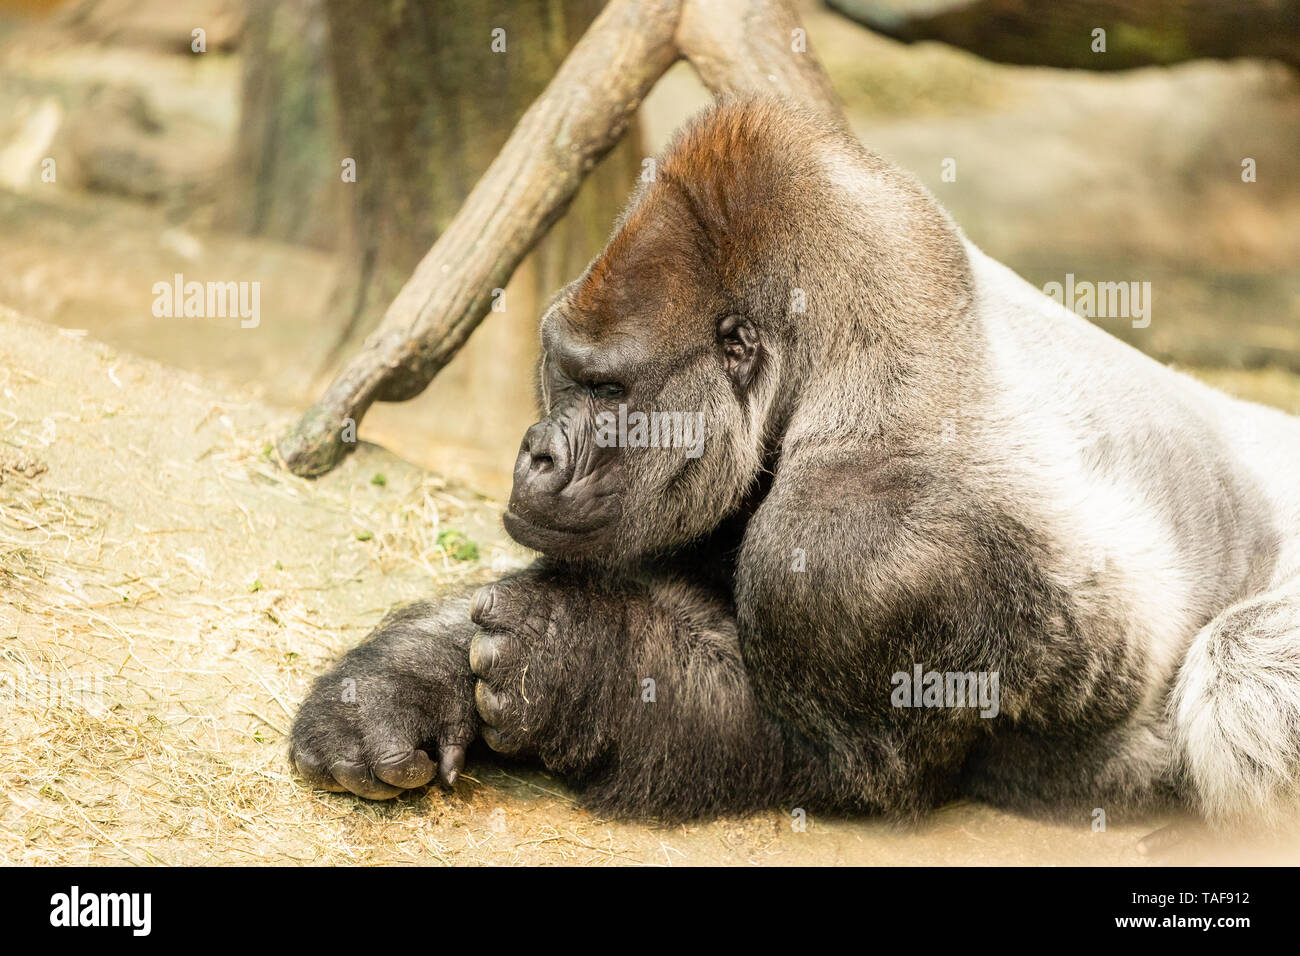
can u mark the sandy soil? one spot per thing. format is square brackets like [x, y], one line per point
[169, 591]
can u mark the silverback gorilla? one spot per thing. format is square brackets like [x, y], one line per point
[915, 464]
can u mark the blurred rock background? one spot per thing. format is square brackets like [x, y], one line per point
[224, 165]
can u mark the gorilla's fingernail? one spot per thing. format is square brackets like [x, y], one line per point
[451, 778]
[483, 602]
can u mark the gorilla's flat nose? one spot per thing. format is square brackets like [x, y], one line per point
[544, 466]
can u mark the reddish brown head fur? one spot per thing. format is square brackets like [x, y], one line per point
[718, 198]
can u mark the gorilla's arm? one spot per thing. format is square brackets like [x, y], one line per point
[634, 689]
[630, 686]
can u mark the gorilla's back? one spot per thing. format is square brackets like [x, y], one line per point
[1185, 496]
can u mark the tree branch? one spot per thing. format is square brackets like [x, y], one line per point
[747, 47]
[1054, 33]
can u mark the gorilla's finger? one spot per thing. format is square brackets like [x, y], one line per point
[360, 781]
[486, 650]
[406, 769]
[450, 762]
[491, 707]
[313, 772]
[485, 602]
[500, 742]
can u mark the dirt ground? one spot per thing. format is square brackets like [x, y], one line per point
[169, 592]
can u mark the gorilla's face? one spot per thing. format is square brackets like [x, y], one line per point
[652, 378]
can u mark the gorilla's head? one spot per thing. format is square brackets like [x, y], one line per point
[671, 367]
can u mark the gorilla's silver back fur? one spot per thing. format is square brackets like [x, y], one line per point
[1175, 504]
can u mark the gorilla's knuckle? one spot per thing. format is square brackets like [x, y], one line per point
[484, 602]
[486, 650]
[390, 756]
[500, 741]
[312, 769]
[491, 705]
[412, 768]
[360, 780]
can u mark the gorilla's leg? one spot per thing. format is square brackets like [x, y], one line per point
[634, 689]
[1236, 707]
[373, 722]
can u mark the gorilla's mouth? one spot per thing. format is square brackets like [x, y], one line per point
[552, 538]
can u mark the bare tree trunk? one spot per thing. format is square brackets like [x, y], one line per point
[285, 186]
[1059, 33]
[738, 46]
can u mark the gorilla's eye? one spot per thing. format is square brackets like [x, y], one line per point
[606, 390]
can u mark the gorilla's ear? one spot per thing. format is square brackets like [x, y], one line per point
[741, 348]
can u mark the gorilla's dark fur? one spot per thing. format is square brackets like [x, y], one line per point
[719, 633]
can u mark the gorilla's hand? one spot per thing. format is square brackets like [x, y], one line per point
[633, 687]
[371, 723]
[546, 658]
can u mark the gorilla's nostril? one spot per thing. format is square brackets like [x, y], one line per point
[544, 466]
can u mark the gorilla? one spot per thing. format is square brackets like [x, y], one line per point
[918, 473]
